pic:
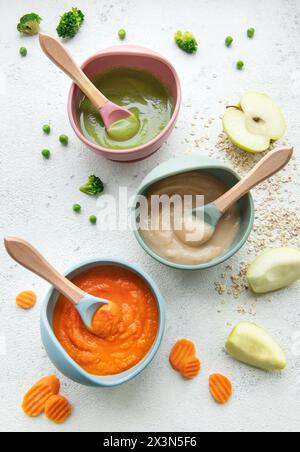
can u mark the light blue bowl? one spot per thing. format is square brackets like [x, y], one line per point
[216, 168]
[64, 362]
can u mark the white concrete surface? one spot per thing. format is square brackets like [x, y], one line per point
[36, 198]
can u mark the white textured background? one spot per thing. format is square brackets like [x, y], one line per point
[36, 197]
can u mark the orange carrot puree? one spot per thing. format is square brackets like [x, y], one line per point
[126, 329]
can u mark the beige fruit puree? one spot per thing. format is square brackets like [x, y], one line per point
[166, 242]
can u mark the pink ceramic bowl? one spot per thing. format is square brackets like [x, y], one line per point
[138, 58]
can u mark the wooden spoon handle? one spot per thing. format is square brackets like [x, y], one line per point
[273, 162]
[62, 58]
[26, 255]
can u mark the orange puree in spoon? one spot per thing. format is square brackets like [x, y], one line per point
[106, 321]
[121, 334]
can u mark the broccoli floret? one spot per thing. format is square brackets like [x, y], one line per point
[70, 23]
[186, 41]
[29, 24]
[93, 187]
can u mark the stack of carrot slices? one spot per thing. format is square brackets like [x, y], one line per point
[43, 397]
[183, 358]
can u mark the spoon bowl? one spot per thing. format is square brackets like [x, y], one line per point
[198, 226]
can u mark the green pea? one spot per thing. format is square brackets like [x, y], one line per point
[251, 32]
[46, 129]
[93, 219]
[46, 153]
[23, 51]
[64, 139]
[77, 208]
[229, 41]
[240, 65]
[122, 34]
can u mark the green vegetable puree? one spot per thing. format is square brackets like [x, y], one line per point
[142, 94]
[124, 129]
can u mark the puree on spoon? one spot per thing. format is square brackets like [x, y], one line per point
[171, 241]
[124, 129]
[124, 331]
[142, 94]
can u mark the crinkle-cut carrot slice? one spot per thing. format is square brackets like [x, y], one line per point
[191, 368]
[220, 388]
[36, 398]
[57, 409]
[26, 299]
[181, 352]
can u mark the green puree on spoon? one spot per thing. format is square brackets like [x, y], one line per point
[124, 129]
[139, 92]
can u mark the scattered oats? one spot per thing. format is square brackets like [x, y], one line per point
[277, 222]
[220, 288]
[241, 310]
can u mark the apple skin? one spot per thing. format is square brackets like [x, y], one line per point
[254, 123]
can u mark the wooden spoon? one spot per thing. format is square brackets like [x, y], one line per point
[25, 254]
[110, 112]
[199, 227]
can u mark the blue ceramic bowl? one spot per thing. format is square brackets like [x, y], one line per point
[64, 362]
[215, 168]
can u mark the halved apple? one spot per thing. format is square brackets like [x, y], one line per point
[254, 123]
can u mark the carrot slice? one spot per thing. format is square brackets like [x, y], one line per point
[191, 368]
[37, 396]
[220, 388]
[26, 299]
[57, 409]
[181, 352]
